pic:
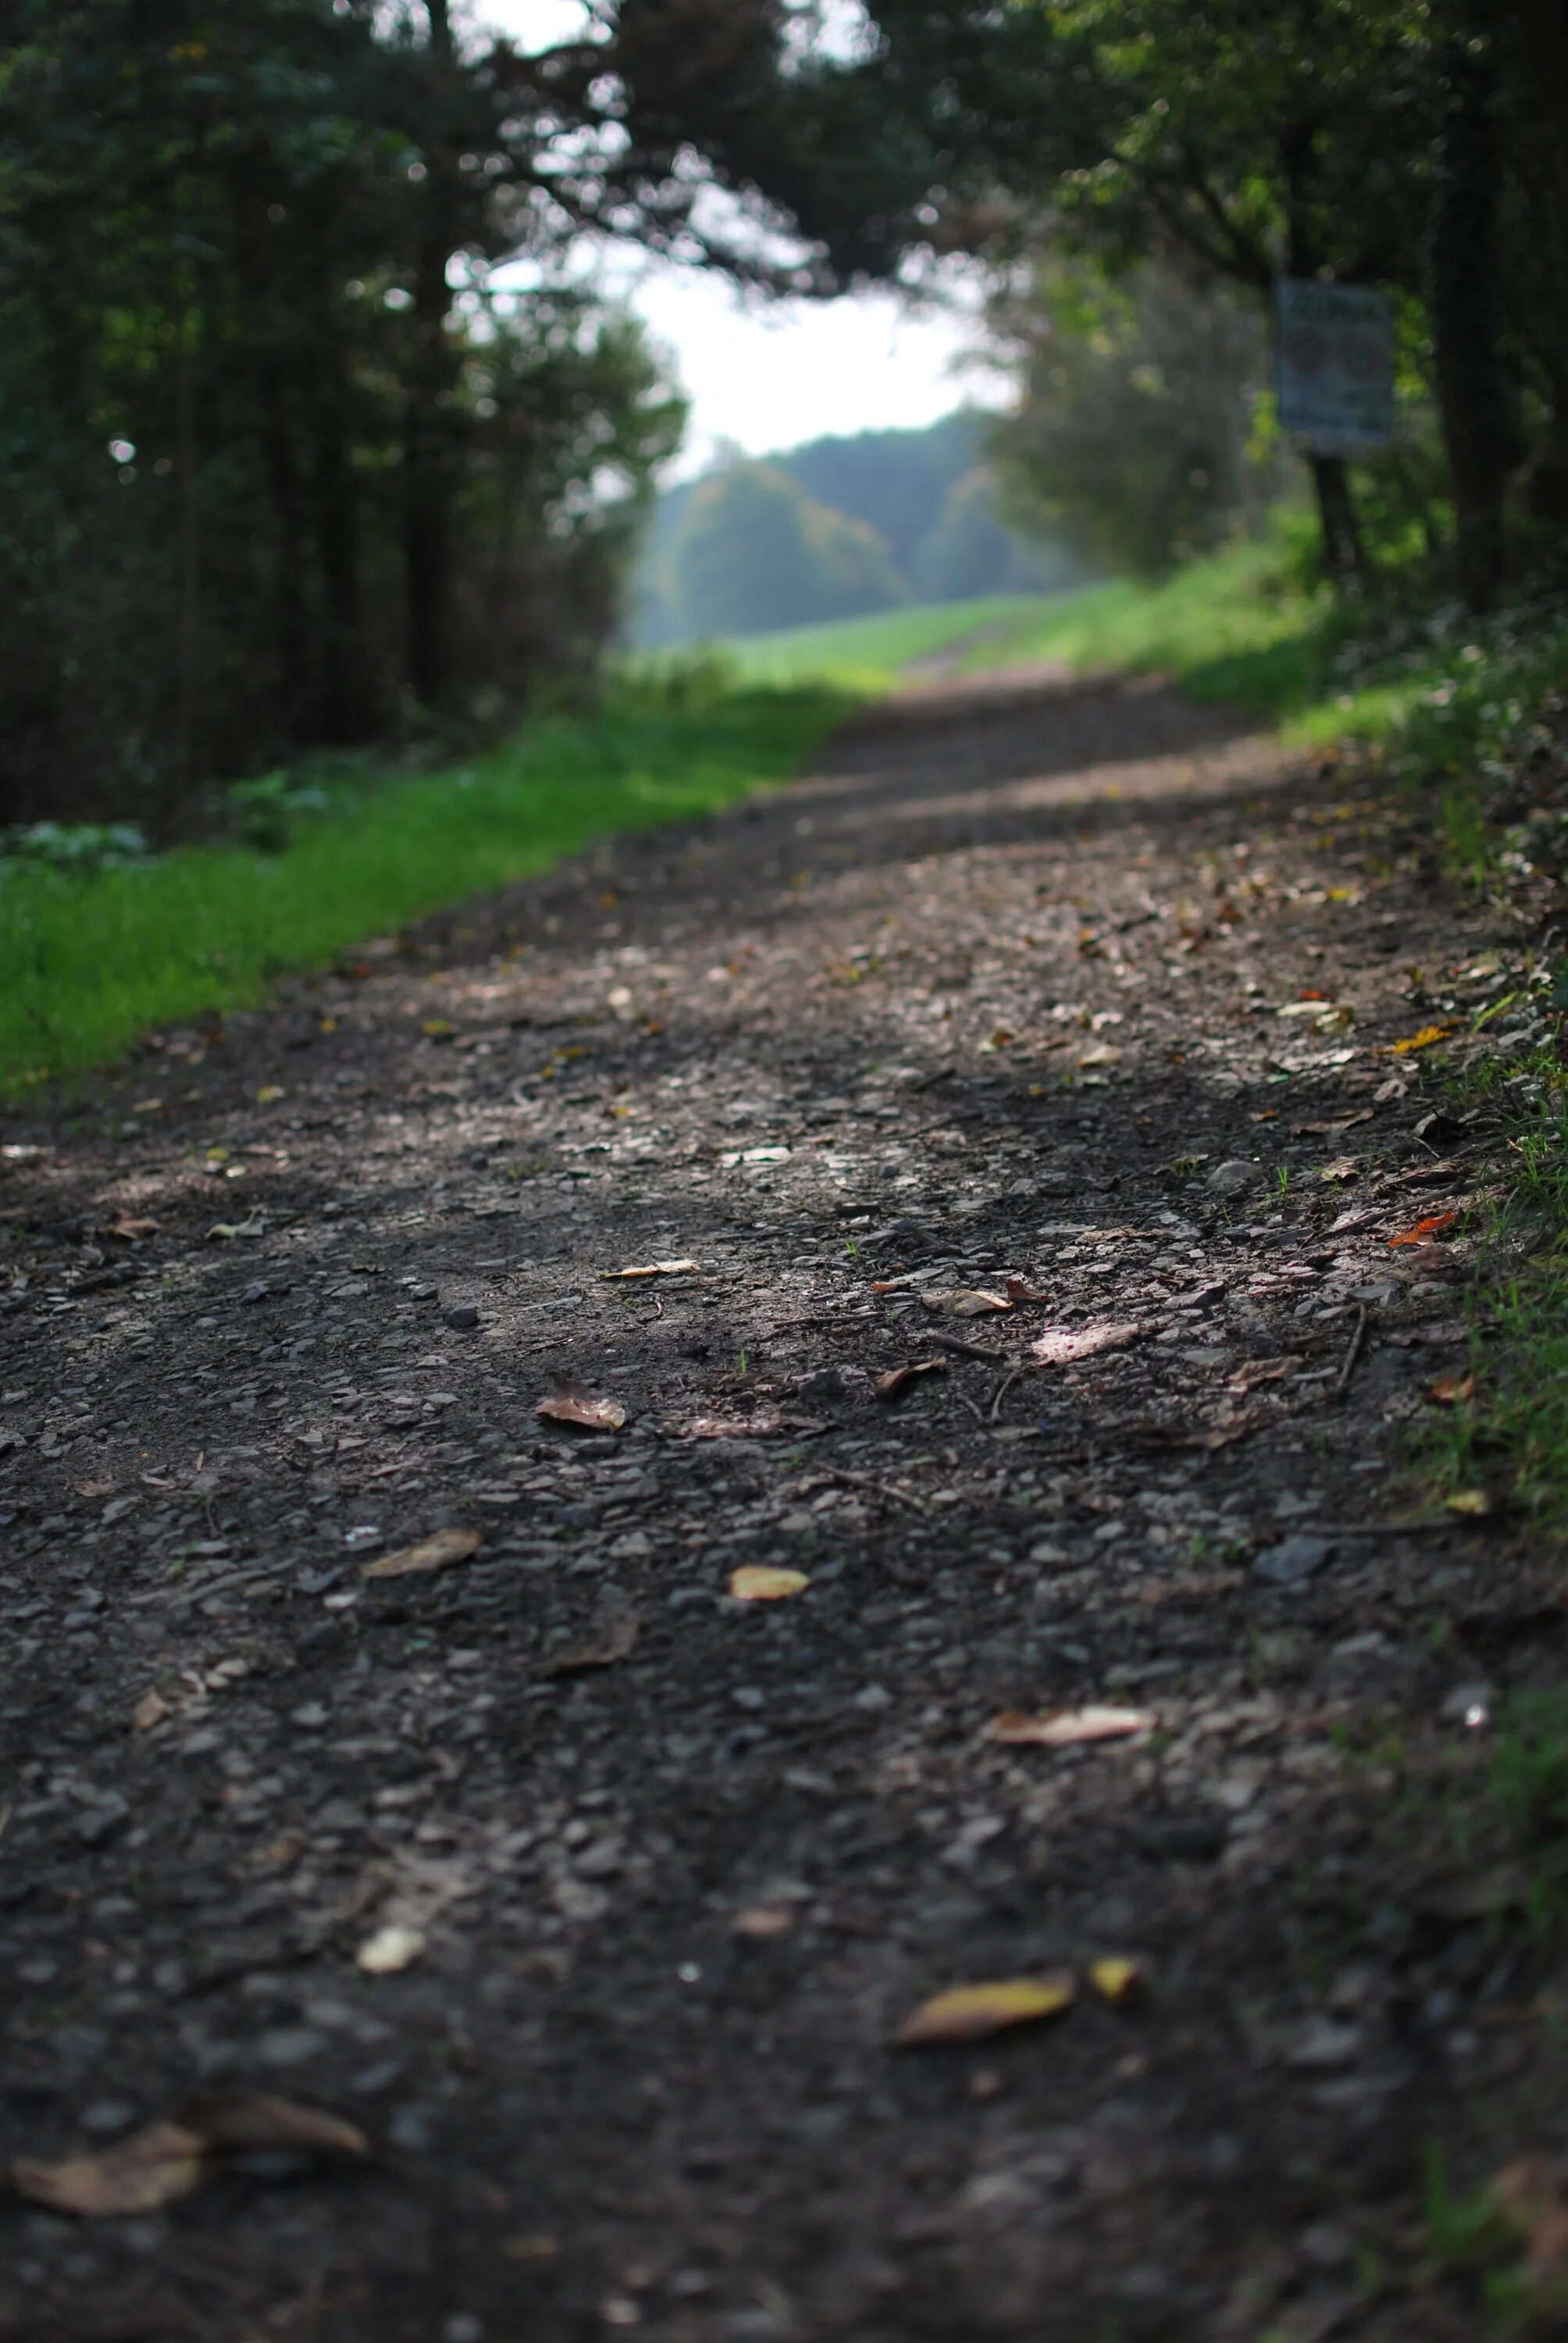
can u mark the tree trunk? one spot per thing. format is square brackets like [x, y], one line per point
[1530, 41]
[1478, 428]
[187, 642]
[344, 709]
[427, 464]
[1343, 556]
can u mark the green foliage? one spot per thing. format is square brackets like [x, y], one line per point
[924, 520]
[89, 958]
[1136, 438]
[280, 463]
[753, 550]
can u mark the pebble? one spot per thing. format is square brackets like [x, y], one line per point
[291, 2045]
[463, 1320]
[1293, 1561]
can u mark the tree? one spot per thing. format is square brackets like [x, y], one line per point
[1132, 438]
[755, 552]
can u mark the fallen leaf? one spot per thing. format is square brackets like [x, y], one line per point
[755, 1583]
[130, 1232]
[1254, 1372]
[899, 1380]
[1105, 1055]
[569, 1404]
[1469, 1500]
[1330, 1130]
[1421, 1040]
[150, 1710]
[615, 1644]
[654, 1268]
[1343, 1167]
[396, 1946]
[965, 1301]
[1061, 1345]
[438, 1552]
[1114, 1977]
[255, 2119]
[1421, 1232]
[1063, 1729]
[270, 1093]
[968, 2013]
[438, 1028]
[227, 1229]
[764, 1424]
[1017, 1288]
[761, 1921]
[151, 2169]
[1450, 1390]
[1225, 1429]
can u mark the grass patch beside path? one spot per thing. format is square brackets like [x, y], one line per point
[1236, 626]
[88, 960]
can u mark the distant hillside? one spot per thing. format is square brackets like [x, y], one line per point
[832, 529]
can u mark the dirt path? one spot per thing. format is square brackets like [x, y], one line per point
[1043, 982]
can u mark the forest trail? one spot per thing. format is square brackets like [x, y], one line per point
[594, 1895]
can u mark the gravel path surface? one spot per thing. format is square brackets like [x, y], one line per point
[1043, 1042]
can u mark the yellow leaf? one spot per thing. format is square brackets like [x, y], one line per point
[270, 1093]
[1114, 1977]
[1421, 1040]
[754, 1583]
[327, 1025]
[437, 1028]
[1469, 1501]
[967, 2012]
[1105, 1053]
[1063, 1729]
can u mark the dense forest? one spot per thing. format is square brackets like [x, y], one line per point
[835, 527]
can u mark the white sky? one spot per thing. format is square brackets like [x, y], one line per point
[770, 374]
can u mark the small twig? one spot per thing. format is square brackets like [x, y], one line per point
[969, 1350]
[1381, 1529]
[1003, 1388]
[964, 1401]
[1338, 1388]
[833, 1473]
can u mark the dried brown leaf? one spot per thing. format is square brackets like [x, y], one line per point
[255, 2119]
[152, 2169]
[150, 1710]
[1062, 1345]
[438, 1552]
[569, 1404]
[899, 1380]
[654, 1268]
[966, 1302]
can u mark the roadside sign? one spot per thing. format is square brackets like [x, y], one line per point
[1334, 365]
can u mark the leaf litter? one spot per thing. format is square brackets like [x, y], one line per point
[969, 2012]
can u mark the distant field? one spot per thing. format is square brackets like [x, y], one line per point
[1235, 627]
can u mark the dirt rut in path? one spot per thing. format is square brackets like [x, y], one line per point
[1072, 999]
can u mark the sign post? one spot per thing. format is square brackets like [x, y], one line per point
[1334, 365]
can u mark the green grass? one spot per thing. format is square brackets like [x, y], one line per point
[872, 653]
[1235, 627]
[88, 960]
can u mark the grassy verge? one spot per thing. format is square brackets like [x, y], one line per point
[91, 958]
[1239, 627]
